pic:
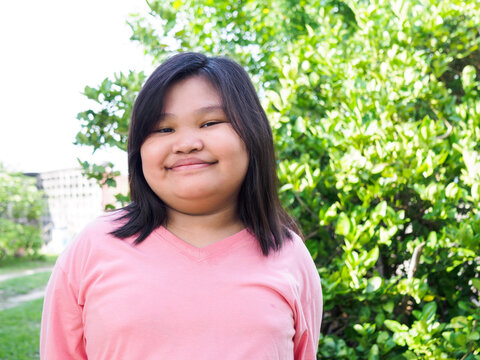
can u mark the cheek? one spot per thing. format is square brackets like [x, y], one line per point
[240, 159]
[242, 151]
[145, 158]
[151, 155]
[235, 145]
[243, 159]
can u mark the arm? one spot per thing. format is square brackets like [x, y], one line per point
[61, 334]
[308, 310]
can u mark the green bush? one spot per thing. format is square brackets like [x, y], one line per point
[375, 108]
[21, 205]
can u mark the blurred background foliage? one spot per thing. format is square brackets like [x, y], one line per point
[375, 109]
[21, 207]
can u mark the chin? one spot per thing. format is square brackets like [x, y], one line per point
[194, 209]
[196, 192]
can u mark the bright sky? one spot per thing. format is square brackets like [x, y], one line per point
[50, 50]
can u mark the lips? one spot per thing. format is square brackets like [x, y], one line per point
[189, 163]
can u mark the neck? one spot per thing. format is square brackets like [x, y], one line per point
[205, 229]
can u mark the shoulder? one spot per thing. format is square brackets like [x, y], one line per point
[299, 262]
[103, 225]
[94, 235]
[98, 230]
[295, 250]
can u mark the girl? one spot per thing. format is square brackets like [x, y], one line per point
[204, 263]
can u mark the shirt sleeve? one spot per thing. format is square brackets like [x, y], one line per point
[61, 335]
[308, 310]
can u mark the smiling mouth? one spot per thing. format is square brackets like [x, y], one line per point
[191, 166]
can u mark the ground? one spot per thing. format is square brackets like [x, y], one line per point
[22, 285]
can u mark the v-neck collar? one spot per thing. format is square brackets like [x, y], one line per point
[201, 253]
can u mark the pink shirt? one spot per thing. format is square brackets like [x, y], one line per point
[166, 299]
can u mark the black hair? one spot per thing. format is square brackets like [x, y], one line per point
[259, 207]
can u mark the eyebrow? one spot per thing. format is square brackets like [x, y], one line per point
[200, 111]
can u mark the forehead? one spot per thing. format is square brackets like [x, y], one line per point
[190, 94]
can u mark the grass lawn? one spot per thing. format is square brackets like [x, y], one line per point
[17, 264]
[20, 325]
[22, 285]
[19, 331]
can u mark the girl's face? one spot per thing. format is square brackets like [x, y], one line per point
[194, 160]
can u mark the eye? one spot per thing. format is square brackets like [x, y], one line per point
[210, 123]
[163, 130]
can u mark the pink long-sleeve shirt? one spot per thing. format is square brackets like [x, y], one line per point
[166, 299]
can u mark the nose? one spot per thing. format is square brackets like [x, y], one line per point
[187, 142]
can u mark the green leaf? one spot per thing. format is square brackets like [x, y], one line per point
[388, 306]
[395, 326]
[372, 257]
[374, 284]
[378, 168]
[468, 76]
[300, 124]
[476, 283]
[359, 328]
[343, 224]
[380, 211]
[429, 311]
[459, 322]
[374, 353]
[275, 99]
[476, 191]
